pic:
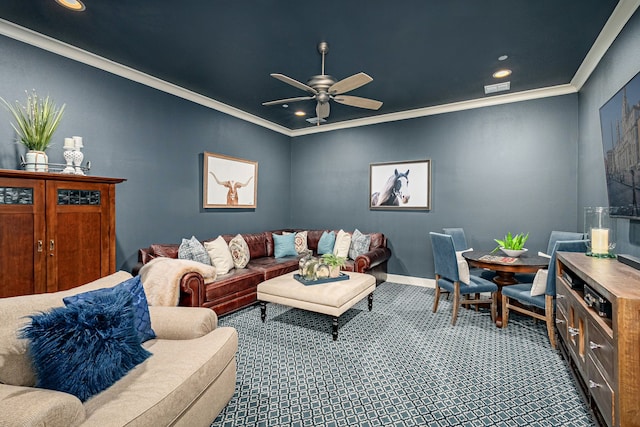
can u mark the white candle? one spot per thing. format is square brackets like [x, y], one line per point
[78, 141]
[69, 143]
[600, 240]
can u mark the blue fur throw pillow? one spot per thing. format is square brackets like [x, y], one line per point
[85, 347]
[141, 317]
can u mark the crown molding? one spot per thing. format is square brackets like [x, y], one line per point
[444, 108]
[616, 22]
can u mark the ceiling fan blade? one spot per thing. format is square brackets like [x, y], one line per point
[356, 101]
[350, 83]
[294, 83]
[284, 101]
[322, 110]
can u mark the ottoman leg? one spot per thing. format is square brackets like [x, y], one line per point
[370, 300]
[334, 331]
[263, 311]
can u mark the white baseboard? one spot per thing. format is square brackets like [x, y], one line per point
[410, 280]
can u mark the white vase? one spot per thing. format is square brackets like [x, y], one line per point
[36, 161]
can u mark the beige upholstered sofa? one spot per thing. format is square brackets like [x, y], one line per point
[187, 381]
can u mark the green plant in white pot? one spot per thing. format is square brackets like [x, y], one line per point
[35, 124]
[335, 263]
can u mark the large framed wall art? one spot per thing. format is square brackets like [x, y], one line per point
[619, 118]
[229, 182]
[400, 185]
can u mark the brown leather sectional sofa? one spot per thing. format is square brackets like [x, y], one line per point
[238, 288]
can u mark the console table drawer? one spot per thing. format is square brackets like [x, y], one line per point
[600, 391]
[601, 350]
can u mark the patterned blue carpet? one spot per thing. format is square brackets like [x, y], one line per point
[398, 365]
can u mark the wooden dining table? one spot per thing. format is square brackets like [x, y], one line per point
[505, 268]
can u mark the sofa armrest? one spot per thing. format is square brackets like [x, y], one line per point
[30, 406]
[182, 323]
[191, 290]
[368, 260]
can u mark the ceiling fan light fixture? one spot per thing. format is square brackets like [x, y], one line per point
[75, 5]
[500, 74]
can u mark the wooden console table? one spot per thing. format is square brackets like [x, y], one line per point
[603, 352]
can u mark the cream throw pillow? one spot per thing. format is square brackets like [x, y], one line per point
[239, 251]
[463, 267]
[220, 255]
[343, 242]
[539, 285]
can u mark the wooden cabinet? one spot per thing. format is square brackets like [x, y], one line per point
[56, 231]
[603, 351]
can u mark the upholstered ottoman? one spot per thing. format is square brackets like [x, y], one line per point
[333, 298]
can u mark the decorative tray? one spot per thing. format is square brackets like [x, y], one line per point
[306, 282]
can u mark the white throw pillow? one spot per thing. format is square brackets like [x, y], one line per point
[239, 251]
[220, 255]
[343, 242]
[539, 286]
[463, 272]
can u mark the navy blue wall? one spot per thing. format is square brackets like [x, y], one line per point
[497, 169]
[152, 139]
[620, 64]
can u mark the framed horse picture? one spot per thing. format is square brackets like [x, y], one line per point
[400, 185]
[229, 182]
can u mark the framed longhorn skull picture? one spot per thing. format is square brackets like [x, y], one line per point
[400, 185]
[229, 182]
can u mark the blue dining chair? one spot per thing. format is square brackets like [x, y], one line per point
[534, 305]
[448, 278]
[553, 238]
[460, 243]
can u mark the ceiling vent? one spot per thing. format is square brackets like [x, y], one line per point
[314, 120]
[498, 87]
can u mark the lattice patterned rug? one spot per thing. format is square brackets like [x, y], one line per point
[398, 365]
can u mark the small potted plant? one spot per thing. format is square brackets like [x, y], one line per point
[335, 263]
[35, 124]
[512, 246]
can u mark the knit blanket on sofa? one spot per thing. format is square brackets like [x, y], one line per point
[161, 278]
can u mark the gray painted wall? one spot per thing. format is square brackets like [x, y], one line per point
[529, 166]
[152, 139]
[620, 64]
[506, 168]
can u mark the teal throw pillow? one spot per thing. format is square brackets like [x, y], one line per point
[326, 243]
[284, 245]
[85, 347]
[141, 318]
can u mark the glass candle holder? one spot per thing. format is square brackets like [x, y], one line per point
[600, 230]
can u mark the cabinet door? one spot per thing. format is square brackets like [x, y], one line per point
[79, 229]
[22, 236]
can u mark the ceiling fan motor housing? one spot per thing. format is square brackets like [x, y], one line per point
[321, 82]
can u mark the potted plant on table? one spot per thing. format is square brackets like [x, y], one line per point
[35, 124]
[512, 245]
[335, 263]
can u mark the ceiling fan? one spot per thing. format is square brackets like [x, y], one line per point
[323, 88]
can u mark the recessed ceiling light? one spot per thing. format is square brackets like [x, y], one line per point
[300, 113]
[285, 105]
[76, 5]
[502, 57]
[502, 73]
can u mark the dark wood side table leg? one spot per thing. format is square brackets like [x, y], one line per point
[263, 311]
[370, 301]
[334, 328]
